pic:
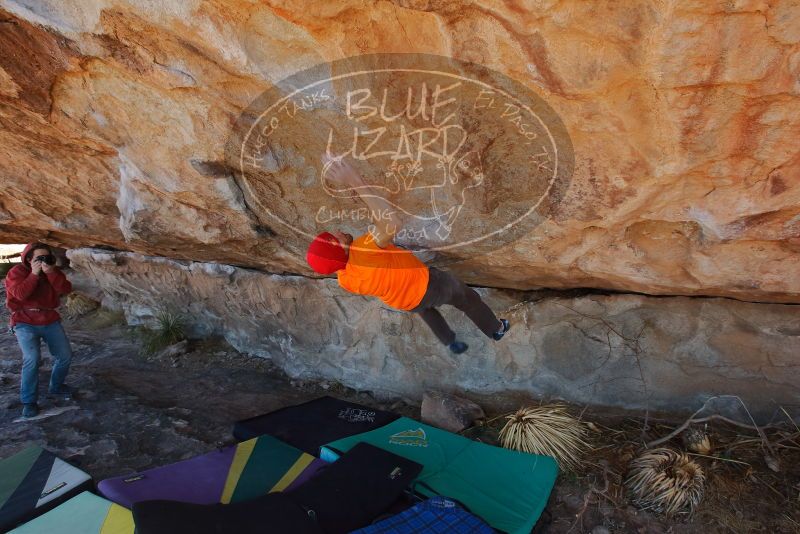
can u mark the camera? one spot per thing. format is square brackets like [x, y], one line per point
[49, 259]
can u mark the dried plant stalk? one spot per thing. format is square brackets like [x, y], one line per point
[549, 430]
[665, 481]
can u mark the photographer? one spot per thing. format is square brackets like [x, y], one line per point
[33, 289]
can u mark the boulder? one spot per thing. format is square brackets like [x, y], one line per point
[632, 351]
[449, 412]
[173, 351]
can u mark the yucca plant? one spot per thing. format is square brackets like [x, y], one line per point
[549, 430]
[168, 331]
[696, 440]
[665, 481]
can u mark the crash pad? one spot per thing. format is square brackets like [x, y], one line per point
[85, 513]
[309, 425]
[33, 481]
[231, 474]
[507, 489]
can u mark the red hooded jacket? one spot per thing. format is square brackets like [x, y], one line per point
[33, 299]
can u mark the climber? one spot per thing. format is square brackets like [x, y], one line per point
[33, 289]
[372, 265]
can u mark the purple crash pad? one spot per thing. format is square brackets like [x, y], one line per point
[239, 472]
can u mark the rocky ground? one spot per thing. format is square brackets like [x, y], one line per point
[134, 412]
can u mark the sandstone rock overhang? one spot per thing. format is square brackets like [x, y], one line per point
[686, 182]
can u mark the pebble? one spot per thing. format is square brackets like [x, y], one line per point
[573, 502]
[103, 447]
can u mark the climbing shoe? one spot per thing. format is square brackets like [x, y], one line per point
[63, 392]
[499, 335]
[30, 410]
[457, 347]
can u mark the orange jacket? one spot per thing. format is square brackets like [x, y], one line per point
[392, 274]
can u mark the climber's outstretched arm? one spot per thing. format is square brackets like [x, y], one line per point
[387, 224]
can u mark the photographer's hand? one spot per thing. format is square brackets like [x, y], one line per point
[36, 267]
[47, 268]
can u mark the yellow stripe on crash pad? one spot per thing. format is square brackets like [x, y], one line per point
[240, 457]
[119, 520]
[293, 472]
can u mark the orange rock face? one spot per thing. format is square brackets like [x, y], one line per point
[683, 122]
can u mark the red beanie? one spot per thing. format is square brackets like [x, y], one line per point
[324, 256]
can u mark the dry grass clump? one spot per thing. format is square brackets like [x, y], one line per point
[77, 305]
[665, 481]
[548, 430]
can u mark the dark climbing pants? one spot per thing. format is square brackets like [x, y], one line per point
[444, 288]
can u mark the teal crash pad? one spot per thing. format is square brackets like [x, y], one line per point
[507, 489]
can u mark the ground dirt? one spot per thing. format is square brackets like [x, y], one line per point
[133, 412]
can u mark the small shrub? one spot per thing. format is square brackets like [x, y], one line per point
[77, 304]
[548, 430]
[168, 331]
[665, 481]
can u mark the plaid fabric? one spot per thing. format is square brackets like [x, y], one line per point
[437, 515]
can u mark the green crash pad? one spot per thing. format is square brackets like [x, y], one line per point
[34, 481]
[507, 489]
[84, 514]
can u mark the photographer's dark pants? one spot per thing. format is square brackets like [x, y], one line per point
[444, 288]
